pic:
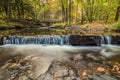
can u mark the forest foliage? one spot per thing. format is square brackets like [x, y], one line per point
[66, 11]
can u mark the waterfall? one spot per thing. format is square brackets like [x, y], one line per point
[55, 40]
[106, 40]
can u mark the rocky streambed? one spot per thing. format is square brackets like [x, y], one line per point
[88, 66]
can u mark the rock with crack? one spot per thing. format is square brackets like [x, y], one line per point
[58, 69]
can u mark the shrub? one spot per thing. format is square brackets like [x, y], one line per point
[116, 26]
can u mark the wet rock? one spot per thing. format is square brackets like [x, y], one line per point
[115, 40]
[59, 70]
[71, 78]
[0, 40]
[77, 40]
[71, 73]
[45, 76]
[14, 70]
[108, 77]
[90, 77]
[23, 78]
[67, 78]
[59, 78]
[76, 69]
[102, 77]
[81, 64]
[78, 57]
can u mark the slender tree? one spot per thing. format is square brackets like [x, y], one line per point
[117, 11]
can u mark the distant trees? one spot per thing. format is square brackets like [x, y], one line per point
[16, 9]
[66, 6]
[69, 11]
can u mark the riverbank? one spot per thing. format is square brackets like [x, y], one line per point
[29, 27]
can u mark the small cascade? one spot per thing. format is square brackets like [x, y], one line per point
[61, 40]
[106, 40]
[55, 40]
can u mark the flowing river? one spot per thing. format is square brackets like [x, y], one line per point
[42, 55]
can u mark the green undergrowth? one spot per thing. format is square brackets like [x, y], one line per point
[116, 26]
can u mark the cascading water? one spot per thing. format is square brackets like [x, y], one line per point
[106, 40]
[55, 40]
[60, 40]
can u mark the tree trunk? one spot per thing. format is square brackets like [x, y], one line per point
[66, 11]
[77, 12]
[22, 9]
[117, 13]
[70, 11]
[63, 11]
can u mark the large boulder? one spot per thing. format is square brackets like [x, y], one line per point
[0, 40]
[58, 70]
[115, 40]
[78, 40]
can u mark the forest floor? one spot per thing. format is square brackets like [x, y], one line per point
[27, 27]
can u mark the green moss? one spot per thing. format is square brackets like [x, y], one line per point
[3, 23]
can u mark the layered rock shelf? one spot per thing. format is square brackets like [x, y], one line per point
[74, 40]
